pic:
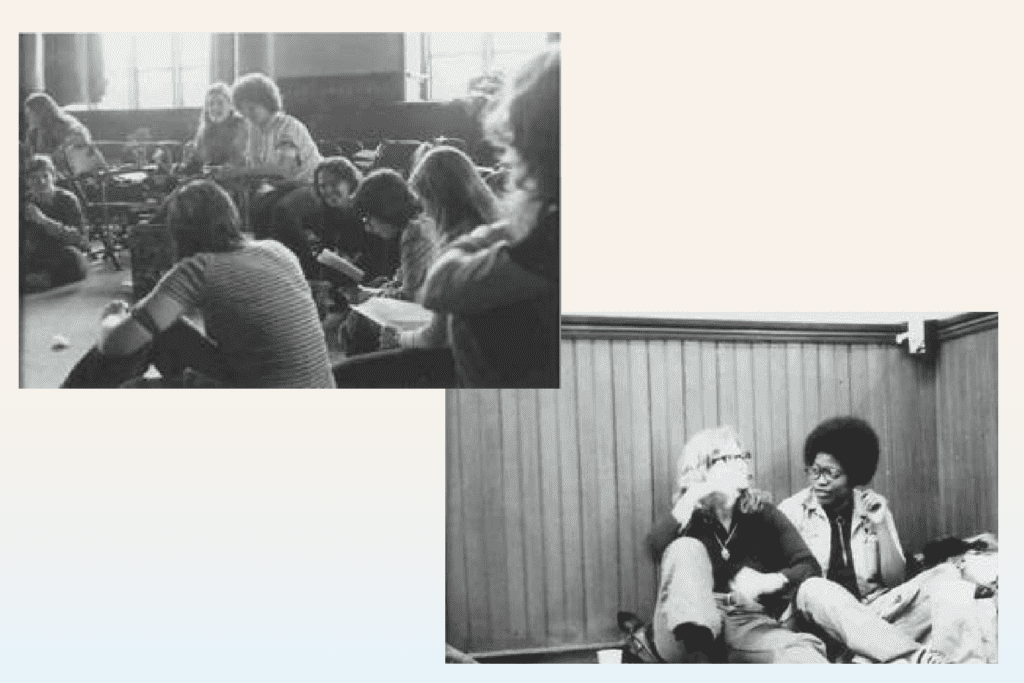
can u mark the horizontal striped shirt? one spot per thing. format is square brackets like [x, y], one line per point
[258, 308]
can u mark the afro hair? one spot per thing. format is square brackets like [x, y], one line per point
[851, 441]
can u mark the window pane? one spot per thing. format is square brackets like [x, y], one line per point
[456, 43]
[155, 89]
[451, 76]
[195, 49]
[153, 50]
[519, 42]
[193, 86]
[118, 94]
[510, 63]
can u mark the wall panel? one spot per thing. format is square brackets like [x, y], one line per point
[551, 492]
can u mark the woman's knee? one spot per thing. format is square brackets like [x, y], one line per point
[816, 590]
[685, 548]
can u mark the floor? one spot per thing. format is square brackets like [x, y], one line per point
[71, 312]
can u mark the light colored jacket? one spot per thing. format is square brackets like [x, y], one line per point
[809, 518]
[284, 142]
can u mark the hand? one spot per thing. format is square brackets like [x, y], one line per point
[116, 307]
[691, 498]
[875, 507]
[388, 338]
[750, 584]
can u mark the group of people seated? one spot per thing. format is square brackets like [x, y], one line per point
[245, 311]
[822, 577]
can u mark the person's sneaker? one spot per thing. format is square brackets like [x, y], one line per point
[926, 655]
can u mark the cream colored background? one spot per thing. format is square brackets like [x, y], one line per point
[807, 156]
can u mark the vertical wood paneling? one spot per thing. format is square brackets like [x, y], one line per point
[457, 602]
[967, 419]
[570, 441]
[511, 461]
[551, 493]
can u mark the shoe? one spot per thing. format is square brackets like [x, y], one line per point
[639, 647]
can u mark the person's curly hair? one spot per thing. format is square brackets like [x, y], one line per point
[384, 195]
[851, 441]
[257, 88]
[339, 168]
[203, 219]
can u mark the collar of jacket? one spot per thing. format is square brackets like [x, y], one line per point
[812, 507]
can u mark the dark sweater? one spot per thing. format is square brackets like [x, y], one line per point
[65, 209]
[763, 540]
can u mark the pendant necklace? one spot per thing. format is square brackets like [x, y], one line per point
[725, 551]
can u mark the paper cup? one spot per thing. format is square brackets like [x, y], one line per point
[609, 656]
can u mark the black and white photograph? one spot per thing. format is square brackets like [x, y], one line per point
[732, 488]
[295, 210]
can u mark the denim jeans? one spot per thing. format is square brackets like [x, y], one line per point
[749, 634]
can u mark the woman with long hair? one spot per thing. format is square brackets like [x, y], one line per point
[500, 283]
[222, 134]
[53, 131]
[457, 201]
[261, 325]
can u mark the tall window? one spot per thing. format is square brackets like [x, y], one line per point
[449, 61]
[152, 70]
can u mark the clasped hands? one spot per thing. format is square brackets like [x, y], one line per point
[749, 584]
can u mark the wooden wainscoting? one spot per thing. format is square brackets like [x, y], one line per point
[551, 492]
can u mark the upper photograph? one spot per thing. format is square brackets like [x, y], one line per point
[236, 210]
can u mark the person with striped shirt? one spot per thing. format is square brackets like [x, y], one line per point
[261, 324]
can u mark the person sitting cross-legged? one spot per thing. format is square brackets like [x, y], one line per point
[261, 325]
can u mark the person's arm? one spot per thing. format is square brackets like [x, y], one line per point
[238, 146]
[418, 252]
[799, 562]
[125, 330]
[67, 234]
[891, 561]
[431, 336]
[309, 153]
[463, 281]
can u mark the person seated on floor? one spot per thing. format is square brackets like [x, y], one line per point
[223, 134]
[310, 219]
[862, 602]
[261, 325]
[279, 148]
[500, 283]
[457, 201]
[391, 211]
[53, 243]
[53, 132]
[730, 564]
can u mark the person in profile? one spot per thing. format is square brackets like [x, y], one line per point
[500, 283]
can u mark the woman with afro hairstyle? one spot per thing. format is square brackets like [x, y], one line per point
[862, 603]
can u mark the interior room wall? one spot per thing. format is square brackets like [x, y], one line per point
[551, 493]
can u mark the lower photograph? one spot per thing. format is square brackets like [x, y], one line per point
[732, 488]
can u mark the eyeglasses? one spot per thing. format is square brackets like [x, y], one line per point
[716, 458]
[830, 473]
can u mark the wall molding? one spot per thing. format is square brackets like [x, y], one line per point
[592, 327]
[963, 325]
